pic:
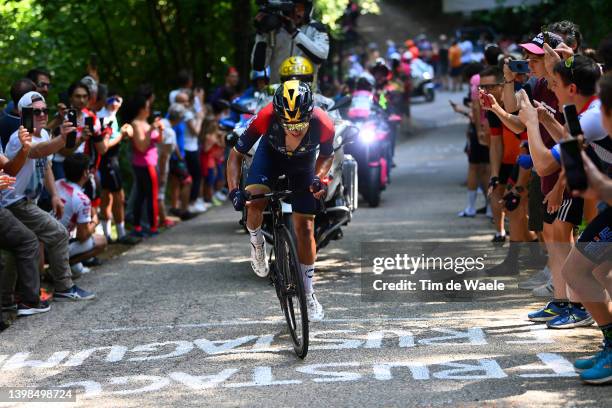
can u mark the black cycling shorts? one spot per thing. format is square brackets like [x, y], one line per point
[477, 153]
[595, 243]
[505, 170]
[570, 211]
[110, 175]
[268, 165]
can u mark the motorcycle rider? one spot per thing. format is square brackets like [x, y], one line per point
[298, 36]
[292, 129]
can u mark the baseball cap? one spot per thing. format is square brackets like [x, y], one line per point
[28, 99]
[536, 45]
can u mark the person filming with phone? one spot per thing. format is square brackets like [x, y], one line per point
[286, 29]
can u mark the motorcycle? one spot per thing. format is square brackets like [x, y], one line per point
[341, 199]
[421, 78]
[372, 149]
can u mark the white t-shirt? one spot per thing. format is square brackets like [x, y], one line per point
[31, 177]
[191, 140]
[77, 206]
[590, 122]
[169, 133]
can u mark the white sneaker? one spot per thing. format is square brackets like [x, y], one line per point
[315, 310]
[536, 280]
[546, 290]
[201, 205]
[220, 196]
[197, 208]
[259, 263]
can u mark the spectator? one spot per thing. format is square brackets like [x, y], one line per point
[212, 156]
[299, 36]
[454, 61]
[20, 200]
[185, 82]
[79, 99]
[193, 127]
[144, 162]
[229, 90]
[113, 195]
[79, 218]
[10, 121]
[42, 79]
[21, 243]
[166, 149]
[443, 61]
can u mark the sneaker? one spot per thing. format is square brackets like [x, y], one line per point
[467, 213]
[197, 208]
[24, 309]
[129, 240]
[74, 293]
[545, 290]
[258, 260]
[137, 232]
[548, 312]
[168, 223]
[315, 310]
[78, 270]
[188, 215]
[582, 364]
[574, 317]
[202, 205]
[601, 372]
[220, 196]
[499, 239]
[94, 261]
[216, 202]
[538, 279]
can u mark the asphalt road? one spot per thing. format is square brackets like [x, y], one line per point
[182, 321]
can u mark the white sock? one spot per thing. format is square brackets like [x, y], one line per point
[307, 276]
[257, 237]
[120, 229]
[472, 195]
[106, 227]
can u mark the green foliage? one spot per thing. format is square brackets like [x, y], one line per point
[593, 16]
[329, 11]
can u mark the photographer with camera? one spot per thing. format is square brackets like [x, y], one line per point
[285, 29]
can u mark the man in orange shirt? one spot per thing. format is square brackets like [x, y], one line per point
[454, 62]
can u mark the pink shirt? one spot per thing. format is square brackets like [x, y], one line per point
[149, 156]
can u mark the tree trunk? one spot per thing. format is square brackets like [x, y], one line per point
[243, 37]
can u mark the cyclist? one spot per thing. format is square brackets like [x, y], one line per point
[292, 130]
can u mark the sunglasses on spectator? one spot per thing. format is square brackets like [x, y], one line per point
[486, 87]
[40, 112]
[296, 127]
[113, 100]
[44, 85]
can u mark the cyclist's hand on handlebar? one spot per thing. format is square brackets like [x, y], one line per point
[318, 188]
[239, 199]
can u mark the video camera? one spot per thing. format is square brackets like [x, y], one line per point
[273, 9]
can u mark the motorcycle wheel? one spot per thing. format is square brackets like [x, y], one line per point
[373, 189]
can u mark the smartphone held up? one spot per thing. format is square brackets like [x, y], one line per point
[27, 119]
[71, 117]
[573, 165]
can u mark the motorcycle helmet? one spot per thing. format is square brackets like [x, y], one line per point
[365, 82]
[293, 102]
[380, 70]
[299, 68]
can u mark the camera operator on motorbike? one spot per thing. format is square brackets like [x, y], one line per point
[292, 129]
[285, 29]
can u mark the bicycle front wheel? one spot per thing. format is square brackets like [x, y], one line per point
[291, 293]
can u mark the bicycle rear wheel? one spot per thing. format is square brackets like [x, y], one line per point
[291, 290]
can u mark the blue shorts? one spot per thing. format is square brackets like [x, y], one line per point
[268, 165]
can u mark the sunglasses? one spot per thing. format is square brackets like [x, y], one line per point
[296, 127]
[40, 112]
[113, 100]
[486, 87]
[44, 85]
